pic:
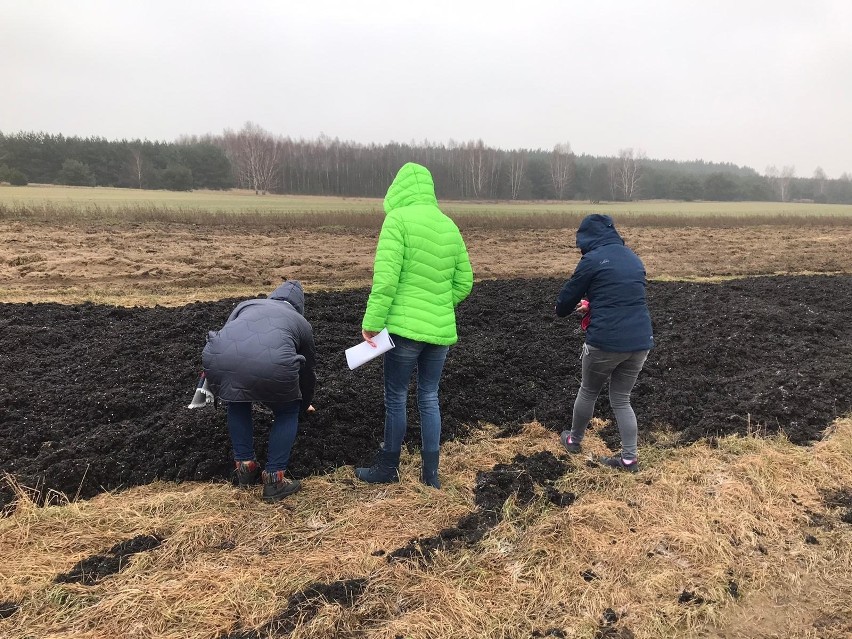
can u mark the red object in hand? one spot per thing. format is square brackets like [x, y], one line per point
[587, 315]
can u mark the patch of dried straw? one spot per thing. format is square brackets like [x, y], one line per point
[727, 524]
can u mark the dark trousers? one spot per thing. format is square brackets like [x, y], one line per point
[281, 436]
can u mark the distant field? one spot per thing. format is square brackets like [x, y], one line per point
[220, 201]
[69, 199]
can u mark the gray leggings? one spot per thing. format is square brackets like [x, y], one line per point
[621, 370]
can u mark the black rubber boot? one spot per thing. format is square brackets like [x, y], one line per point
[246, 474]
[429, 474]
[385, 469]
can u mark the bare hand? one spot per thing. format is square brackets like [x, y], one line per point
[311, 409]
[368, 337]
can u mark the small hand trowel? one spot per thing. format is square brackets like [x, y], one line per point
[203, 395]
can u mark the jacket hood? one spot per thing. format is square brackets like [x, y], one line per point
[413, 184]
[595, 231]
[291, 291]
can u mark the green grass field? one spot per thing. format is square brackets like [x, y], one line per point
[237, 201]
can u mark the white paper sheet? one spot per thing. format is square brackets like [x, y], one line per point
[363, 352]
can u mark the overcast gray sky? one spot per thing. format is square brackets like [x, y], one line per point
[754, 82]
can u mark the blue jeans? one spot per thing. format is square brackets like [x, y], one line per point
[399, 363]
[621, 371]
[281, 436]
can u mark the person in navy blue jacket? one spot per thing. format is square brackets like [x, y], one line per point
[618, 337]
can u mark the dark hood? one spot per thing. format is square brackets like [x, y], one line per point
[290, 291]
[597, 230]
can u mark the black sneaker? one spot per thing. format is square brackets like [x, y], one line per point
[619, 463]
[570, 445]
[246, 474]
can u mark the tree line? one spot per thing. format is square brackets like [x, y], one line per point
[45, 158]
[256, 159]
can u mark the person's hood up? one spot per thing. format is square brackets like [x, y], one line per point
[413, 184]
[290, 291]
[596, 230]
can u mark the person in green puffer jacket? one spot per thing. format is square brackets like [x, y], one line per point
[421, 273]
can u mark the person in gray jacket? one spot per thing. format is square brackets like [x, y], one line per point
[264, 353]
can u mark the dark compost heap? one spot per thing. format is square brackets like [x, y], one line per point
[94, 397]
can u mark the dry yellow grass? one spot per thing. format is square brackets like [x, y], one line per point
[695, 519]
[105, 202]
[175, 264]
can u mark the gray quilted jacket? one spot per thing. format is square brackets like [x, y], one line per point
[265, 351]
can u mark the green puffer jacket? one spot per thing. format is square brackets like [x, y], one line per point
[422, 270]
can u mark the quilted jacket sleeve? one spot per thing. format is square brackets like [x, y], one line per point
[386, 269]
[463, 275]
[574, 289]
[307, 374]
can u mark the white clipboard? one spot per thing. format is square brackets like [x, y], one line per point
[363, 352]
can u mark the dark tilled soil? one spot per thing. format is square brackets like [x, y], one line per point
[8, 608]
[491, 490]
[842, 499]
[838, 498]
[520, 478]
[608, 632]
[91, 570]
[303, 606]
[94, 397]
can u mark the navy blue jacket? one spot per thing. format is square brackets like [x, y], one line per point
[612, 278]
[265, 351]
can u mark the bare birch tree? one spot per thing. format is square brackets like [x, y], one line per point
[628, 173]
[136, 165]
[517, 164]
[787, 175]
[562, 168]
[819, 182]
[614, 185]
[495, 161]
[256, 154]
[772, 175]
[477, 167]
[782, 180]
